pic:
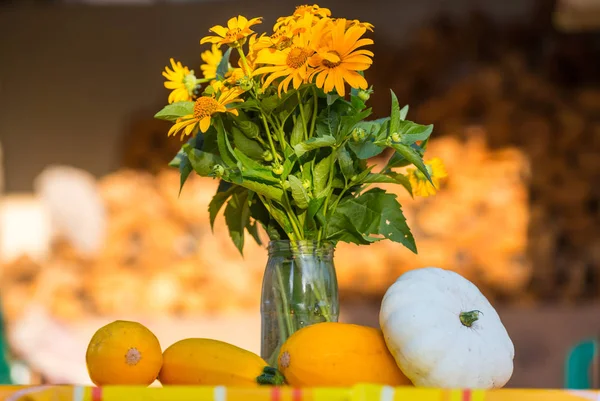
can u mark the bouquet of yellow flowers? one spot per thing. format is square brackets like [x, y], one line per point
[284, 129]
[288, 143]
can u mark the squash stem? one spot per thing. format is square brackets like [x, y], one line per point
[468, 318]
[271, 376]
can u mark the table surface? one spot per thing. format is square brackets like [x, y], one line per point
[357, 393]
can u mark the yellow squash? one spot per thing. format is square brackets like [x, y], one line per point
[123, 353]
[338, 354]
[202, 361]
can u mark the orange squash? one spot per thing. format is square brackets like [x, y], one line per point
[206, 362]
[124, 353]
[338, 354]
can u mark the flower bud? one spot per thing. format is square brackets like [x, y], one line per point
[278, 169]
[267, 156]
[364, 95]
[246, 83]
[396, 137]
[218, 170]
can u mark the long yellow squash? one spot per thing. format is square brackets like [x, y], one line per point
[202, 361]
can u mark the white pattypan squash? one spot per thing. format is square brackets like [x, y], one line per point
[444, 333]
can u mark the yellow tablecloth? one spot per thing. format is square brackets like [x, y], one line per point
[357, 393]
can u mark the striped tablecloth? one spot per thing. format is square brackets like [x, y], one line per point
[357, 393]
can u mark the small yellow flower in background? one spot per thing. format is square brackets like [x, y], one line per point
[211, 58]
[337, 62]
[181, 80]
[204, 108]
[420, 185]
[238, 29]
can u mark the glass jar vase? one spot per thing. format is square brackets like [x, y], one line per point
[299, 289]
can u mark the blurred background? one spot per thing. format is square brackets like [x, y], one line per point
[92, 229]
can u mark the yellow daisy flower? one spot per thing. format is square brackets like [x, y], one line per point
[204, 108]
[338, 62]
[291, 64]
[314, 11]
[211, 58]
[181, 80]
[419, 183]
[234, 34]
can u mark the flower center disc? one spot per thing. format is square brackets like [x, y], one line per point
[233, 34]
[205, 107]
[332, 59]
[297, 57]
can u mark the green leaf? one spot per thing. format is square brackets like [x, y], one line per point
[173, 111]
[349, 122]
[237, 217]
[314, 143]
[331, 98]
[411, 132]
[246, 145]
[321, 175]
[269, 103]
[185, 168]
[374, 215]
[298, 192]
[269, 191]
[328, 123]
[223, 66]
[286, 106]
[404, 112]
[252, 169]
[182, 153]
[395, 116]
[297, 134]
[357, 103]
[412, 156]
[367, 148]
[208, 142]
[288, 165]
[314, 207]
[346, 163]
[390, 178]
[202, 162]
[224, 146]
[281, 219]
[224, 191]
[253, 230]
[249, 128]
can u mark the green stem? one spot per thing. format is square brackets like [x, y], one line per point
[321, 301]
[271, 376]
[315, 110]
[468, 318]
[285, 305]
[245, 66]
[302, 115]
[275, 154]
[329, 192]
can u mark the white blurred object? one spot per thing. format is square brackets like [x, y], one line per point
[24, 227]
[76, 209]
[49, 347]
[57, 350]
